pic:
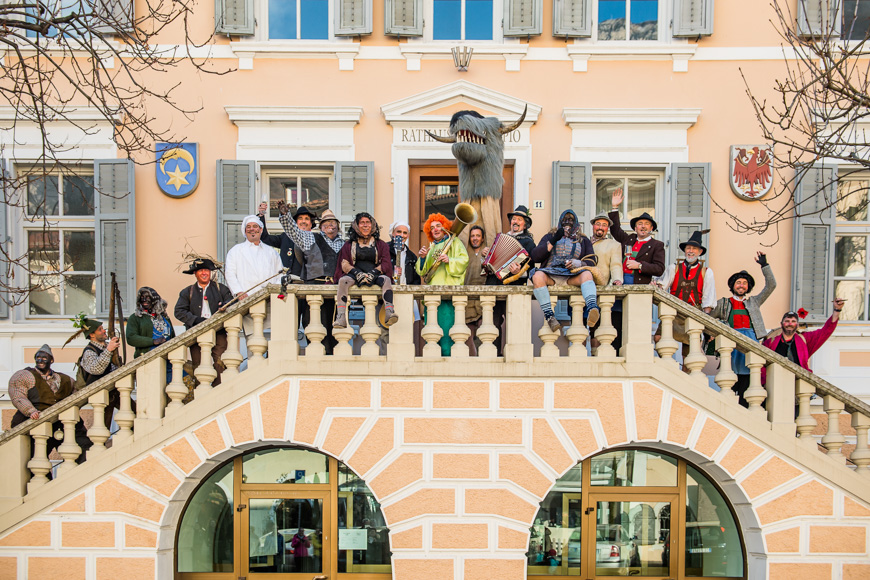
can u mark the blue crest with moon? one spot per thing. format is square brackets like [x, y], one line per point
[177, 168]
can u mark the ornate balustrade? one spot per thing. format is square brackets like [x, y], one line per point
[528, 349]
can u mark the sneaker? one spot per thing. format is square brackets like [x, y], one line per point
[554, 324]
[592, 316]
[340, 319]
[390, 316]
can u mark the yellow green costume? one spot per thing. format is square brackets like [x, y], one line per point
[450, 274]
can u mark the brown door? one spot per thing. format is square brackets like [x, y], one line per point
[435, 188]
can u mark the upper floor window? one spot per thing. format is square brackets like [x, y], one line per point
[851, 274]
[45, 11]
[296, 19]
[463, 20]
[642, 17]
[856, 19]
[640, 194]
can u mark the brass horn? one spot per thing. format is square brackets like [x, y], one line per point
[504, 130]
[465, 216]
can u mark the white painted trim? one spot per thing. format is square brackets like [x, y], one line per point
[414, 108]
[249, 114]
[511, 53]
[632, 116]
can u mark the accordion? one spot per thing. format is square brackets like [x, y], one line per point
[506, 250]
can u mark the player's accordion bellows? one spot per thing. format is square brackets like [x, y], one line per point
[506, 250]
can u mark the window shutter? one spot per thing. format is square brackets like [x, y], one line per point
[113, 16]
[523, 17]
[572, 18]
[355, 186]
[236, 185]
[818, 17]
[234, 17]
[353, 17]
[693, 17]
[5, 263]
[114, 210]
[403, 17]
[690, 206]
[813, 242]
[572, 186]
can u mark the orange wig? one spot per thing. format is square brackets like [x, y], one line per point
[436, 217]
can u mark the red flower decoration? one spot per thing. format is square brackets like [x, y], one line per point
[280, 297]
[802, 313]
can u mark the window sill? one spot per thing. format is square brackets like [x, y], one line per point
[583, 50]
[512, 54]
[246, 51]
[105, 49]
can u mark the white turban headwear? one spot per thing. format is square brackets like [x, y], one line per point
[396, 224]
[249, 219]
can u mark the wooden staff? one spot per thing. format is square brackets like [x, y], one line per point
[235, 299]
[116, 358]
[117, 292]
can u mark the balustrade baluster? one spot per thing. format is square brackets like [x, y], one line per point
[39, 465]
[370, 331]
[69, 449]
[696, 359]
[232, 357]
[861, 454]
[549, 350]
[726, 377]
[432, 333]
[98, 433]
[125, 416]
[577, 332]
[833, 439]
[344, 336]
[177, 390]
[487, 332]
[257, 343]
[315, 331]
[805, 421]
[667, 346]
[755, 394]
[205, 372]
[459, 332]
[605, 334]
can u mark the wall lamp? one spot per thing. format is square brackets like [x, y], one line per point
[462, 57]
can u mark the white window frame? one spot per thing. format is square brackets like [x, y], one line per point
[261, 27]
[625, 173]
[267, 173]
[859, 229]
[665, 30]
[497, 29]
[61, 224]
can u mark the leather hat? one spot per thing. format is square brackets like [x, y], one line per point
[644, 216]
[200, 264]
[328, 215]
[523, 212]
[694, 240]
[741, 274]
[304, 211]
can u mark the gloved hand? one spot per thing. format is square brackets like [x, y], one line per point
[558, 235]
[360, 276]
[761, 259]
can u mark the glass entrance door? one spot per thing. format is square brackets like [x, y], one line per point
[284, 534]
[630, 538]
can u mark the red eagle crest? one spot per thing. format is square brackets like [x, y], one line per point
[751, 173]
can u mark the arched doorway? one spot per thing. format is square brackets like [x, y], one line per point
[282, 513]
[635, 512]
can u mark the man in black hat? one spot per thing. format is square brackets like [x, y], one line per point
[520, 222]
[690, 281]
[743, 313]
[99, 359]
[197, 303]
[37, 388]
[291, 257]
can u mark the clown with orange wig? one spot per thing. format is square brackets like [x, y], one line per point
[443, 263]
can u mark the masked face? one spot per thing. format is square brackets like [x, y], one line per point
[304, 222]
[203, 275]
[568, 223]
[329, 227]
[600, 229]
[692, 254]
[43, 362]
[518, 224]
[253, 232]
[365, 227]
[145, 301]
[475, 238]
[643, 228]
[437, 231]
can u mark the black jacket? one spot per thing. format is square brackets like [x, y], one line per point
[286, 247]
[411, 275]
[651, 255]
[188, 308]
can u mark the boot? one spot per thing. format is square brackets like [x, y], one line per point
[592, 316]
[554, 324]
[390, 316]
[340, 318]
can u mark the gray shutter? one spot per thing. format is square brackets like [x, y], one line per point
[690, 206]
[523, 17]
[236, 190]
[114, 210]
[403, 17]
[353, 17]
[5, 263]
[813, 241]
[355, 187]
[818, 17]
[113, 16]
[572, 189]
[234, 16]
[693, 18]
[572, 18]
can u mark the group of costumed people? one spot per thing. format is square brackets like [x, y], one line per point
[564, 256]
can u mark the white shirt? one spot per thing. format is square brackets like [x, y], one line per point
[708, 293]
[249, 264]
[206, 311]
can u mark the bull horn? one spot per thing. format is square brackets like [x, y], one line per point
[504, 130]
[451, 139]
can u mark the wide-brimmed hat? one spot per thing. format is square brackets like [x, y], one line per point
[523, 212]
[741, 274]
[200, 264]
[328, 215]
[694, 240]
[304, 211]
[644, 216]
[601, 216]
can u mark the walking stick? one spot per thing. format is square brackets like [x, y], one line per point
[236, 299]
[119, 302]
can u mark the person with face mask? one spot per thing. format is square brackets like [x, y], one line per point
[561, 252]
[743, 313]
[690, 281]
[149, 325]
[35, 389]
